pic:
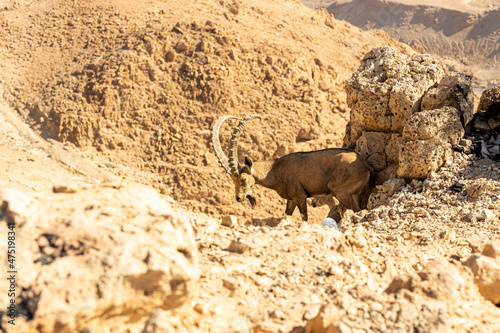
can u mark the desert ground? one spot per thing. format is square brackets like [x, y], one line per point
[126, 222]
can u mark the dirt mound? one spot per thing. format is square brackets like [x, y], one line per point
[144, 84]
[464, 35]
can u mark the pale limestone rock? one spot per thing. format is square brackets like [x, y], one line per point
[440, 280]
[387, 88]
[392, 185]
[486, 272]
[327, 314]
[418, 158]
[492, 249]
[453, 90]
[407, 312]
[162, 322]
[100, 248]
[441, 123]
[229, 221]
[338, 327]
[392, 148]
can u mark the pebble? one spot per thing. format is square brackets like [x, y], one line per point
[229, 283]
[65, 188]
[229, 221]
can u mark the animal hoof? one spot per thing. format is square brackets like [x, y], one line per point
[329, 222]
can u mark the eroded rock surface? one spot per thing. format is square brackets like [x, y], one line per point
[387, 88]
[97, 256]
[406, 113]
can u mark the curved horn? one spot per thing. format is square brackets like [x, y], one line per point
[234, 163]
[216, 143]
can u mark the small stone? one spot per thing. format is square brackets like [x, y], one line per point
[277, 314]
[238, 247]
[327, 314]
[393, 185]
[407, 311]
[476, 243]
[170, 56]
[267, 327]
[421, 211]
[200, 308]
[181, 46]
[483, 214]
[229, 221]
[475, 190]
[229, 283]
[357, 219]
[492, 249]
[65, 189]
[465, 142]
[357, 237]
[311, 312]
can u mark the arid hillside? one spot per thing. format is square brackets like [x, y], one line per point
[464, 34]
[143, 84]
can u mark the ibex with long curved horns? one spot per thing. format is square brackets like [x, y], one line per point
[297, 176]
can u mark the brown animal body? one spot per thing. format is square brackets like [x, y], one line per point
[297, 176]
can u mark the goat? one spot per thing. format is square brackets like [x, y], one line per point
[295, 177]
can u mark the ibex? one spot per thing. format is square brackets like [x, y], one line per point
[297, 176]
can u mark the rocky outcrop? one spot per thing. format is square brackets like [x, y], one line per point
[92, 258]
[488, 97]
[406, 113]
[455, 90]
[387, 89]
[486, 269]
[426, 142]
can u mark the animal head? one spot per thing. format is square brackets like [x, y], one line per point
[241, 175]
[244, 182]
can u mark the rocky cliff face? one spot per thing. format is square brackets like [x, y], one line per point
[406, 113]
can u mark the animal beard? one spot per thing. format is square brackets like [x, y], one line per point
[252, 200]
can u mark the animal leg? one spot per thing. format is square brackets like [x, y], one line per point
[355, 202]
[303, 209]
[290, 207]
[334, 214]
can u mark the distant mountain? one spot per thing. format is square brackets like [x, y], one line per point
[465, 35]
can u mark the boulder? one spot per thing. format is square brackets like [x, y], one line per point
[91, 258]
[440, 280]
[387, 89]
[486, 270]
[453, 90]
[427, 139]
[488, 97]
[420, 157]
[441, 123]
